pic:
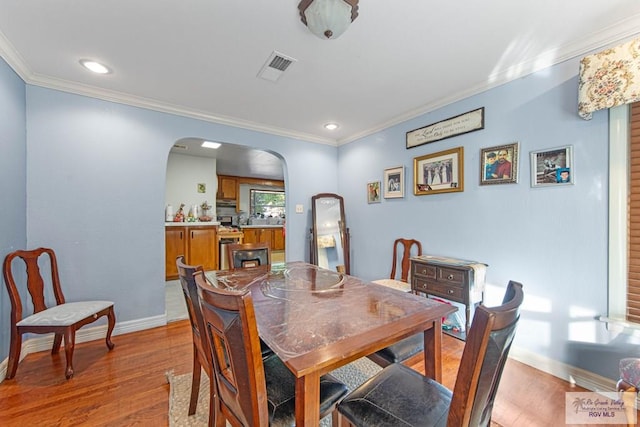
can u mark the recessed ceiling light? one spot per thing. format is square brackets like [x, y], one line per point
[209, 144]
[94, 66]
[331, 126]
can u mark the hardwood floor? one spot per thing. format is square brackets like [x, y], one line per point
[127, 386]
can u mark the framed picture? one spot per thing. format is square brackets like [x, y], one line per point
[394, 182]
[499, 164]
[454, 126]
[373, 192]
[441, 172]
[552, 167]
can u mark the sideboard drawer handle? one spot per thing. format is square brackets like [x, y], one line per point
[450, 277]
[450, 291]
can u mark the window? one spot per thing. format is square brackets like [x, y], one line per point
[267, 203]
[624, 213]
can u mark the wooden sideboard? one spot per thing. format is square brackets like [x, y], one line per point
[452, 279]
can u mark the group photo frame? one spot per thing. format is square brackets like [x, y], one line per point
[441, 172]
[499, 164]
[552, 167]
[393, 182]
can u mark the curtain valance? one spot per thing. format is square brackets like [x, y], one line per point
[609, 78]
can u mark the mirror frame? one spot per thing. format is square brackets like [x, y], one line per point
[343, 230]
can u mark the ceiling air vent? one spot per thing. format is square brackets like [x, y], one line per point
[180, 147]
[275, 66]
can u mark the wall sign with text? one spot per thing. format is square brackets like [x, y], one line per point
[458, 125]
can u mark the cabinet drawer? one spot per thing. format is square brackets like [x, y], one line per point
[424, 270]
[450, 275]
[451, 292]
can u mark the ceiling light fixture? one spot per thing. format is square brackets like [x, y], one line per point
[328, 19]
[94, 66]
[209, 144]
[331, 126]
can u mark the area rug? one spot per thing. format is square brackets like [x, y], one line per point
[352, 375]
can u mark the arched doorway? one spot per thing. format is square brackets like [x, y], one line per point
[192, 177]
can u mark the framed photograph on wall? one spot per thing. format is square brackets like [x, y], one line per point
[394, 182]
[373, 192]
[552, 167]
[499, 164]
[441, 172]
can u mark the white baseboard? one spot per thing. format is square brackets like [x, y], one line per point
[45, 342]
[578, 376]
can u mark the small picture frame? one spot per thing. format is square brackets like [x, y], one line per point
[394, 182]
[373, 192]
[499, 164]
[441, 172]
[552, 167]
[202, 187]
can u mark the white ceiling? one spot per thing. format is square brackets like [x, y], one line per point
[399, 59]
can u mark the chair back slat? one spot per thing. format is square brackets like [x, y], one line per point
[483, 360]
[248, 255]
[231, 328]
[407, 245]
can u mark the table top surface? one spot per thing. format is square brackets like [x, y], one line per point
[314, 318]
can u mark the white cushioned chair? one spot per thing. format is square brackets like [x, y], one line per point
[58, 317]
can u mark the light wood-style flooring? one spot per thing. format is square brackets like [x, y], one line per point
[127, 386]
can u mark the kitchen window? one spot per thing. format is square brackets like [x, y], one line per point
[267, 203]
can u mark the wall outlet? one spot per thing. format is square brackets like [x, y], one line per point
[299, 209]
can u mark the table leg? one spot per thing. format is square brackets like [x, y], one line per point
[433, 351]
[308, 400]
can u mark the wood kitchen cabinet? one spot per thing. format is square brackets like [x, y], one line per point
[199, 245]
[272, 235]
[175, 243]
[227, 188]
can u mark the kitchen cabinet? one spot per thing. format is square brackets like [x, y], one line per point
[199, 245]
[175, 243]
[227, 188]
[452, 279]
[272, 235]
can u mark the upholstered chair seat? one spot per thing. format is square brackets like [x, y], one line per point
[65, 314]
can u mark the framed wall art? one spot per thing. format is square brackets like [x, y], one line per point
[454, 126]
[441, 172]
[394, 182]
[552, 167]
[373, 192]
[499, 164]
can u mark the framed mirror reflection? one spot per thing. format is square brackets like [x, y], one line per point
[329, 247]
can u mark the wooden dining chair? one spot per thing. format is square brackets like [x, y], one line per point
[252, 391]
[400, 396]
[248, 255]
[57, 317]
[201, 350]
[413, 345]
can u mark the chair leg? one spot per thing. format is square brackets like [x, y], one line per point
[69, 344]
[57, 340]
[14, 353]
[195, 382]
[112, 323]
[629, 398]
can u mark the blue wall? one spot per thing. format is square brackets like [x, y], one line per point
[13, 229]
[95, 192]
[553, 240]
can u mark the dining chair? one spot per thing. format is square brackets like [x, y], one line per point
[628, 385]
[407, 247]
[200, 343]
[400, 396]
[252, 391]
[409, 347]
[61, 318]
[248, 255]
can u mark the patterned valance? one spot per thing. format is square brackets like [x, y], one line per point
[609, 78]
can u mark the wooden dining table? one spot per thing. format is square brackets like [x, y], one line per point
[317, 320]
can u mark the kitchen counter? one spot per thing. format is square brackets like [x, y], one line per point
[191, 224]
[261, 226]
